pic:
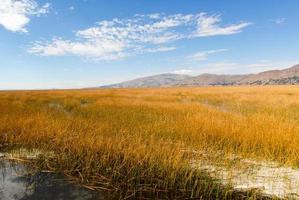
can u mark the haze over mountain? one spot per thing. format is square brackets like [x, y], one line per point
[272, 77]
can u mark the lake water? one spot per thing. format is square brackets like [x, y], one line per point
[16, 184]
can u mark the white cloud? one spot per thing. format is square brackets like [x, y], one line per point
[15, 14]
[119, 38]
[160, 49]
[154, 16]
[279, 21]
[209, 26]
[203, 55]
[101, 48]
[183, 71]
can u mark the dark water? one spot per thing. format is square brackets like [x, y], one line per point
[15, 184]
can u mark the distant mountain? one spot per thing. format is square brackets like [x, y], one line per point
[272, 77]
[285, 76]
[212, 79]
[161, 80]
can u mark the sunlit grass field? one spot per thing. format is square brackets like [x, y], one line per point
[139, 143]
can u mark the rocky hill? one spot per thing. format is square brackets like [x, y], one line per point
[161, 80]
[272, 77]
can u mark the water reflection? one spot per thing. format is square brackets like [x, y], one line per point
[15, 184]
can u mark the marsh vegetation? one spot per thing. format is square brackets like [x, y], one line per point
[167, 143]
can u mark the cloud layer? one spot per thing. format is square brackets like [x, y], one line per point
[118, 38]
[203, 55]
[15, 14]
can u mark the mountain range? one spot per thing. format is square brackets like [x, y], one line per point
[272, 77]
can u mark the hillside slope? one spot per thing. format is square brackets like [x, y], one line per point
[272, 77]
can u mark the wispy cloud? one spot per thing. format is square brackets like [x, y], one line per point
[15, 14]
[203, 55]
[118, 38]
[71, 8]
[103, 49]
[160, 49]
[210, 26]
[279, 21]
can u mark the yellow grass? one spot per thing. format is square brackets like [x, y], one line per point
[138, 141]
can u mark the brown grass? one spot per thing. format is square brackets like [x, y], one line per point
[131, 141]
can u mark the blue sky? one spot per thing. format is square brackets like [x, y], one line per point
[85, 43]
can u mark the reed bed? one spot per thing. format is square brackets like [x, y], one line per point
[138, 143]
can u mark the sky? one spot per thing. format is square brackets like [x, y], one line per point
[46, 44]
